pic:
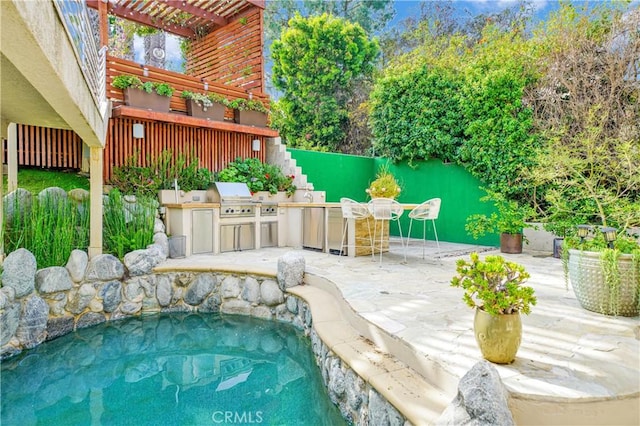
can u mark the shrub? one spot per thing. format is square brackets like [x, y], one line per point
[49, 227]
[127, 226]
[131, 178]
[258, 176]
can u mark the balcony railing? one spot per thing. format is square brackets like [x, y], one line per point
[86, 41]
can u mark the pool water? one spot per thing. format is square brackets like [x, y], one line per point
[178, 369]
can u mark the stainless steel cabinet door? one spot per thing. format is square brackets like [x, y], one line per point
[246, 237]
[202, 231]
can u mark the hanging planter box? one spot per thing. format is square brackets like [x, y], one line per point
[140, 99]
[214, 112]
[250, 118]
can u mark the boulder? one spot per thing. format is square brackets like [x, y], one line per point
[104, 267]
[19, 272]
[77, 265]
[79, 299]
[160, 239]
[199, 289]
[164, 290]
[32, 328]
[251, 290]
[230, 288]
[111, 295]
[141, 262]
[158, 226]
[9, 320]
[291, 267]
[270, 293]
[381, 412]
[53, 280]
[78, 195]
[481, 399]
[52, 196]
[60, 326]
[18, 201]
[90, 319]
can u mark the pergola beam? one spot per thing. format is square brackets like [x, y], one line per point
[195, 11]
[144, 19]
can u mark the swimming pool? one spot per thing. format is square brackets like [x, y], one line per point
[187, 369]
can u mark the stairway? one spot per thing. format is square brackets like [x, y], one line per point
[278, 155]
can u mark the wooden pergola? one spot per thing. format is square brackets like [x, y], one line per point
[186, 18]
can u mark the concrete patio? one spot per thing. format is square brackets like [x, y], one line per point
[573, 367]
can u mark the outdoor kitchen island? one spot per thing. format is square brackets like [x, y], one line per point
[228, 217]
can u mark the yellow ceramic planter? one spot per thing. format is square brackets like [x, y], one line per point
[498, 336]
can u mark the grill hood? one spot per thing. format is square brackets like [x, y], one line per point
[230, 192]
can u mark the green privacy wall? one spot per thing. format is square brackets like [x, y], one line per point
[349, 175]
[339, 175]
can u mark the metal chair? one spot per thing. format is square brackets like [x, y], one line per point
[385, 209]
[429, 210]
[354, 210]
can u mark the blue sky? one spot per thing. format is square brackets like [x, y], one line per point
[407, 8]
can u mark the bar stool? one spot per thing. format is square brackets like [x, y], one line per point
[354, 210]
[429, 210]
[385, 209]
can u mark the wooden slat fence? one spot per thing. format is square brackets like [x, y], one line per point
[231, 55]
[213, 148]
[47, 147]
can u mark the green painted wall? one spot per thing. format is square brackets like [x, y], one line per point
[348, 176]
[339, 175]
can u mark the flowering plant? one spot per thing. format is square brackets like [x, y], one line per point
[384, 186]
[258, 176]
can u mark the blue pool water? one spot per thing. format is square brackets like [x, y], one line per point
[178, 369]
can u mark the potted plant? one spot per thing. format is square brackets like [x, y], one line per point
[508, 221]
[147, 95]
[494, 288]
[250, 112]
[384, 185]
[604, 270]
[211, 106]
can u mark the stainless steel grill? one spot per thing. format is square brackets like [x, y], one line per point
[234, 198]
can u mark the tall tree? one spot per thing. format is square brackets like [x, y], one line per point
[316, 64]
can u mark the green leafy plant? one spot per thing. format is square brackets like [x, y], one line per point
[494, 285]
[385, 185]
[595, 242]
[248, 105]
[160, 173]
[126, 81]
[163, 89]
[258, 176]
[204, 100]
[49, 227]
[127, 226]
[509, 219]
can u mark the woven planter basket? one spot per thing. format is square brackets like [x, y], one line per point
[591, 290]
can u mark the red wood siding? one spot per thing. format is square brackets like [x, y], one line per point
[213, 148]
[231, 55]
[47, 147]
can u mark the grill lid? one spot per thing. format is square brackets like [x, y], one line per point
[231, 192]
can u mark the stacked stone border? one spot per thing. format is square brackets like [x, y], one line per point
[41, 305]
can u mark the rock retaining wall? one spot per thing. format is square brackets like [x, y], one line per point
[40, 305]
